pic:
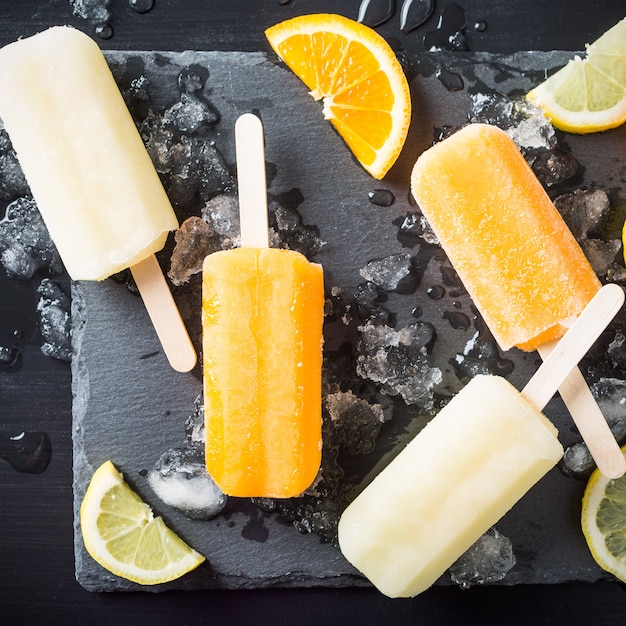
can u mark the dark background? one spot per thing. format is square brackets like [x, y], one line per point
[37, 582]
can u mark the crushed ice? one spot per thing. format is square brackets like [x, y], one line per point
[25, 245]
[95, 11]
[356, 422]
[487, 561]
[54, 320]
[398, 361]
[180, 479]
[610, 394]
[388, 272]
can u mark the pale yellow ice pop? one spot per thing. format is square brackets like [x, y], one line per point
[88, 169]
[479, 455]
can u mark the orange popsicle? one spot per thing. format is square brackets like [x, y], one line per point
[262, 314]
[515, 255]
[509, 245]
[262, 319]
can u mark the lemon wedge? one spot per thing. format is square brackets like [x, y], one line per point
[588, 94]
[603, 521]
[121, 533]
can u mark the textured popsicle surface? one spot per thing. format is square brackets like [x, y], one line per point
[262, 315]
[514, 253]
[469, 466]
[82, 155]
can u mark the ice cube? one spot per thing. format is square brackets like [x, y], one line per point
[292, 232]
[368, 306]
[194, 240]
[222, 214]
[487, 561]
[413, 226]
[189, 81]
[551, 166]
[199, 164]
[577, 460]
[25, 244]
[54, 320]
[338, 307]
[192, 167]
[610, 394]
[95, 11]
[307, 515]
[398, 361]
[180, 479]
[601, 254]
[388, 272]
[616, 351]
[481, 355]
[585, 211]
[194, 425]
[12, 181]
[530, 127]
[356, 422]
[531, 131]
[191, 114]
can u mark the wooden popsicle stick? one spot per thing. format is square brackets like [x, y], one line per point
[251, 182]
[164, 314]
[591, 424]
[573, 345]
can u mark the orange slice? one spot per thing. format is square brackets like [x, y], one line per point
[357, 75]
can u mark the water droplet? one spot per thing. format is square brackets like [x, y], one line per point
[436, 293]
[450, 80]
[104, 31]
[480, 26]
[502, 367]
[449, 32]
[284, 1]
[375, 12]
[381, 197]
[189, 81]
[141, 6]
[458, 320]
[9, 357]
[450, 277]
[27, 453]
[417, 312]
[414, 13]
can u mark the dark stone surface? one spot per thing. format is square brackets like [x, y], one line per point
[130, 407]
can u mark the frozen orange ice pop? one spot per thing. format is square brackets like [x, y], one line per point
[88, 170]
[506, 240]
[515, 255]
[468, 466]
[262, 314]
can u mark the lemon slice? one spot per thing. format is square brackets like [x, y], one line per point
[122, 534]
[357, 75]
[588, 95]
[603, 521]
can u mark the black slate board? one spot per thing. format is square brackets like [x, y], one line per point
[129, 406]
